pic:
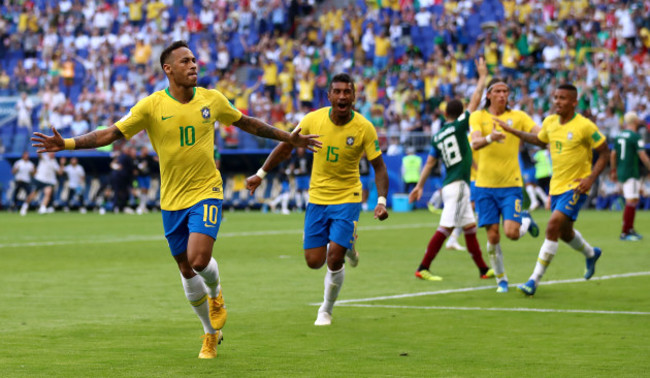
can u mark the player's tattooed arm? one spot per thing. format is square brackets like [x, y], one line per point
[98, 138]
[55, 142]
[256, 127]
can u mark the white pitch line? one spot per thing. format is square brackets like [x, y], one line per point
[476, 288]
[145, 238]
[516, 309]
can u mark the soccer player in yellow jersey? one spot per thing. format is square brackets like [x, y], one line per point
[335, 186]
[571, 138]
[180, 123]
[498, 189]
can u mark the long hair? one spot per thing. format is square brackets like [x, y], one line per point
[490, 84]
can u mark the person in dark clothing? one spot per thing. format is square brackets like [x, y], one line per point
[122, 178]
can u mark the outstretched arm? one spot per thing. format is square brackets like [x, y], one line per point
[481, 67]
[381, 181]
[416, 193]
[525, 136]
[280, 153]
[256, 127]
[94, 139]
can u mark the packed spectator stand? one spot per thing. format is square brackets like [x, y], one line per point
[79, 65]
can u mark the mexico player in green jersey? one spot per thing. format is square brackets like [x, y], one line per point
[335, 187]
[452, 146]
[180, 123]
[624, 161]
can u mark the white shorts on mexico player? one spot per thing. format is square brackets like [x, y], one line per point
[631, 188]
[457, 211]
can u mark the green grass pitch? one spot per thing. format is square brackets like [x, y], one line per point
[91, 295]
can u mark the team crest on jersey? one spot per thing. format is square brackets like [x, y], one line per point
[349, 141]
[205, 112]
[569, 136]
[509, 122]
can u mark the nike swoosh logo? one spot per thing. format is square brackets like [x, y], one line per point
[166, 118]
[208, 225]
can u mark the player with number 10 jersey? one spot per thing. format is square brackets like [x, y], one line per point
[180, 134]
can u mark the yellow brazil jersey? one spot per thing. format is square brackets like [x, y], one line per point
[183, 137]
[285, 79]
[499, 165]
[270, 73]
[508, 8]
[335, 172]
[382, 45]
[571, 147]
[306, 92]
[490, 52]
[242, 99]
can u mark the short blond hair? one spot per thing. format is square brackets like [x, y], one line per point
[631, 117]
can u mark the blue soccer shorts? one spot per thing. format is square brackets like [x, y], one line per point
[528, 174]
[204, 218]
[472, 191]
[302, 182]
[494, 203]
[569, 203]
[144, 182]
[325, 223]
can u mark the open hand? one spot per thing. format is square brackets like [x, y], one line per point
[46, 143]
[307, 141]
[415, 194]
[481, 67]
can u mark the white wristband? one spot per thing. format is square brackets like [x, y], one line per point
[261, 173]
[381, 200]
[488, 139]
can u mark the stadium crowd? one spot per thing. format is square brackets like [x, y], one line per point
[79, 65]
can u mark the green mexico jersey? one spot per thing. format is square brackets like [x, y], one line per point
[628, 143]
[452, 146]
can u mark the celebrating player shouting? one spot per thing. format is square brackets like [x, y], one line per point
[180, 124]
[335, 187]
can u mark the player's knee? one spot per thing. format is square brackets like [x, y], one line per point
[186, 272]
[512, 234]
[553, 231]
[185, 268]
[314, 262]
[493, 237]
[198, 266]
